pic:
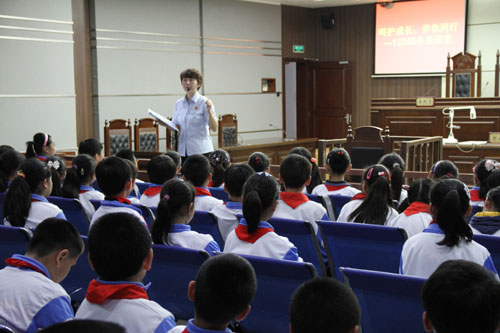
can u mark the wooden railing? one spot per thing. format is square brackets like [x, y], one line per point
[324, 147]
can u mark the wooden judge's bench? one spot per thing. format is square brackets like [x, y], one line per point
[404, 118]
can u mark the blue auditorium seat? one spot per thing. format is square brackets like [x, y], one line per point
[219, 193]
[74, 212]
[13, 240]
[492, 243]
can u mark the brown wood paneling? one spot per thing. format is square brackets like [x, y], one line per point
[83, 70]
[297, 28]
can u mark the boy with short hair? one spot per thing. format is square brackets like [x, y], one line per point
[160, 169]
[234, 178]
[31, 297]
[324, 305]
[461, 296]
[196, 169]
[222, 292]
[115, 179]
[91, 147]
[121, 253]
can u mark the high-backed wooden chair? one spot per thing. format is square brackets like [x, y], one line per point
[146, 135]
[172, 137]
[228, 130]
[367, 145]
[464, 77]
[117, 135]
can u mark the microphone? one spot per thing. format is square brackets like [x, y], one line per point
[279, 129]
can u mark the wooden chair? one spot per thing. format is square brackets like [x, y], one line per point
[228, 130]
[367, 145]
[463, 77]
[146, 135]
[172, 138]
[117, 135]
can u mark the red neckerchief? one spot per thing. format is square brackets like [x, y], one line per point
[210, 183]
[41, 158]
[242, 233]
[331, 188]
[98, 292]
[35, 200]
[416, 207]
[359, 196]
[22, 264]
[474, 195]
[293, 199]
[119, 199]
[185, 330]
[83, 191]
[152, 191]
[433, 222]
[202, 191]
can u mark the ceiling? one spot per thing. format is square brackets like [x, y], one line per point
[315, 3]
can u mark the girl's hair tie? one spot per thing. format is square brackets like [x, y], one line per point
[381, 173]
[53, 164]
[449, 174]
[257, 159]
[166, 197]
[489, 165]
[313, 160]
[45, 140]
[21, 174]
[340, 152]
[396, 165]
[369, 174]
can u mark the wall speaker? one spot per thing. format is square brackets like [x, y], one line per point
[327, 21]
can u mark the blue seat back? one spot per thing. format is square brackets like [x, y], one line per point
[172, 270]
[492, 243]
[13, 240]
[206, 223]
[363, 246]
[277, 280]
[219, 193]
[302, 235]
[142, 187]
[73, 210]
[78, 279]
[338, 201]
[390, 303]
[147, 213]
[315, 198]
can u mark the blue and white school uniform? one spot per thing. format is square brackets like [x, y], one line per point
[421, 255]
[414, 219]
[30, 300]
[151, 196]
[122, 206]
[475, 200]
[335, 188]
[127, 304]
[226, 216]
[88, 193]
[263, 243]
[182, 235]
[356, 201]
[486, 223]
[204, 201]
[40, 210]
[192, 328]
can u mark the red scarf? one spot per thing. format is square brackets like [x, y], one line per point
[331, 188]
[98, 292]
[119, 199]
[152, 191]
[474, 195]
[242, 233]
[83, 191]
[22, 264]
[293, 199]
[416, 207]
[202, 191]
[359, 196]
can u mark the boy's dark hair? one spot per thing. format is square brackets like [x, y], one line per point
[10, 161]
[57, 167]
[396, 165]
[462, 296]
[196, 169]
[175, 157]
[84, 326]
[444, 168]
[192, 73]
[219, 161]
[258, 161]
[127, 154]
[420, 190]
[55, 234]
[315, 176]
[118, 245]
[160, 169]
[295, 171]
[484, 170]
[494, 197]
[35, 147]
[259, 193]
[338, 159]
[83, 170]
[235, 177]
[225, 286]
[323, 305]
[112, 174]
[90, 147]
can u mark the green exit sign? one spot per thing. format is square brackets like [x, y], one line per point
[298, 49]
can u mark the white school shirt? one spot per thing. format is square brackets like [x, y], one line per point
[421, 255]
[135, 315]
[204, 201]
[263, 243]
[108, 206]
[30, 300]
[226, 216]
[88, 193]
[192, 328]
[151, 196]
[193, 119]
[335, 188]
[40, 210]
[351, 207]
[412, 223]
[181, 235]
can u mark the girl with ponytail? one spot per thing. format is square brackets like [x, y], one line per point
[374, 204]
[253, 235]
[10, 161]
[396, 166]
[175, 211]
[484, 171]
[448, 237]
[78, 181]
[26, 202]
[57, 167]
[41, 147]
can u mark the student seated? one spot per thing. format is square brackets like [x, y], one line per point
[219, 162]
[259, 162]
[196, 170]
[57, 167]
[79, 179]
[91, 147]
[175, 211]
[31, 295]
[10, 162]
[222, 292]
[448, 237]
[115, 179]
[484, 172]
[488, 221]
[26, 203]
[160, 169]
[315, 176]
[41, 147]
[374, 204]
[234, 178]
[396, 166]
[253, 235]
[177, 160]
[461, 297]
[128, 155]
[324, 305]
[121, 253]
[416, 217]
[443, 168]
